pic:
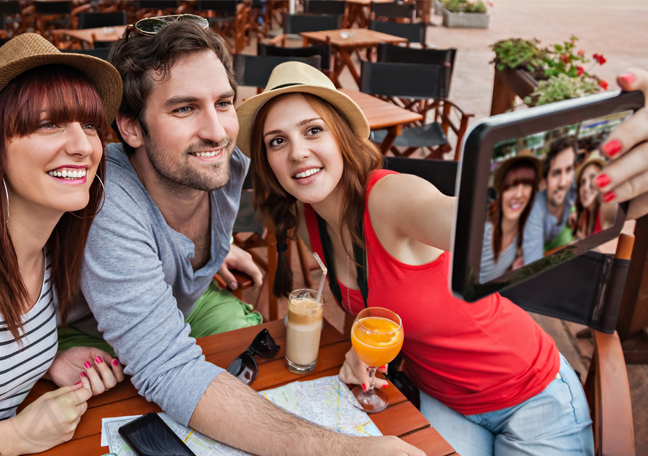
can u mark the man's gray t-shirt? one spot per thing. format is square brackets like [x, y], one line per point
[139, 283]
[542, 226]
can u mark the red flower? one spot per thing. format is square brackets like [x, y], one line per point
[490, 4]
[603, 84]
[565, 58]
[580, 70]
[599, 58]
[581, 53]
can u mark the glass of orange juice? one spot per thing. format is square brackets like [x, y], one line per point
[377, 337]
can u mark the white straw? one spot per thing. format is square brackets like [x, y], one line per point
[324, 272]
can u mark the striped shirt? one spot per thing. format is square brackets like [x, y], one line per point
[22, 366]
[490, 269]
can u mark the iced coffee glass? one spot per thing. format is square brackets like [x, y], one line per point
[303, 330]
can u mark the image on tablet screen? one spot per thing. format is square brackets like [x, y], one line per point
[541, 195]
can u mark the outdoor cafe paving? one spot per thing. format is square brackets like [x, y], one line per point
[616, 29]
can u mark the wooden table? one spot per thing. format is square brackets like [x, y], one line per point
[401, 418]
[359, 11]
[382, 114]
[89, 35]
[344, 42]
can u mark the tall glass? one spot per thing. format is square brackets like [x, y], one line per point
[377, 338]
[303, 330]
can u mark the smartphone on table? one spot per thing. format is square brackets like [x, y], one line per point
[149, 435]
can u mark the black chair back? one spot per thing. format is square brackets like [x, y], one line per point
[255, 70]
[298, 23]
[404, 80]
[323, 50]
[325, 6]
[10, 8]
[394, 10]
[96, 20]
[46, 8]
[101, 53]
[414, 33]
[219, 6]
[441, 173]
[158, 4]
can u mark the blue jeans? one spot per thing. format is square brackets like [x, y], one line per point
[555, 422]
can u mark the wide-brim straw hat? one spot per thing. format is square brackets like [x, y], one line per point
[594, 158]
[29, 50]
[298, 77]
[523, 156]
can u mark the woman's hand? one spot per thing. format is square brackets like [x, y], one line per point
[626, 178]
[48, 421]
[355, 371]
[96, 369]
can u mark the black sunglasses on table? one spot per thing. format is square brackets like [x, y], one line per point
[244, 367]
[151, 25]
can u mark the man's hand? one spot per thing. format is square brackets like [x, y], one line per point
[103, 374]
[626, 178]
[355, 371]
[242, 261]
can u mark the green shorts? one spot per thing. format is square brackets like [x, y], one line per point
[564, 237]
[216, 311]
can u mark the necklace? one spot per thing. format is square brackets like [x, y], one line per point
[348, 283]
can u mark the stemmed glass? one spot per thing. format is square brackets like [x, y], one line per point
[377, 337]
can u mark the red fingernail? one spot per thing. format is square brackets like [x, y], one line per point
[603, 180]
[628, 78]
[609, 196]
[115, 362]
[82, 374]
[385, 385]
[383, 367]
[87, 365]
[364, 388]
[612, 148]
[98, 360]
[77, 384]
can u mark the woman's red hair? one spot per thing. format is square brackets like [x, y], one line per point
[69, 96]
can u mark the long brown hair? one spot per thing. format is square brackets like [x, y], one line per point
[520, 173]
[585, 219]
[280, 208]
[69, 96]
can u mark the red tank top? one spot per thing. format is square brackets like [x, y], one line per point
[474, 358]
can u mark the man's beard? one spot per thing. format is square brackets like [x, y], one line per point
[181, 174]
[553, 201]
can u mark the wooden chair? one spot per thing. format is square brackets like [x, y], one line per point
[298, 23]
[337, 7]
[395, 11]
[413, 32]
[423, 89]
[15, 18]
[52, 15]
[151, 8]
[398, 54]
[255, 70]
[227, 18]
[323, 50]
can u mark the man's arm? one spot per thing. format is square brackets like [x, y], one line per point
[233, 413]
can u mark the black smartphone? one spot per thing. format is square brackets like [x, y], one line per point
[526, 202]
[149, 435]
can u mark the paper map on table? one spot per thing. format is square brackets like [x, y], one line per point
[325, 401]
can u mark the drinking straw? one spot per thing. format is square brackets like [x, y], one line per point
[324, 271]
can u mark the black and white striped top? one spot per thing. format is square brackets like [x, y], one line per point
[490, 269]
[22, 366]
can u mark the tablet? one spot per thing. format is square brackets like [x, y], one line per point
[526, 200]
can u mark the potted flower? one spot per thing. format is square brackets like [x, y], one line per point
[465, 14]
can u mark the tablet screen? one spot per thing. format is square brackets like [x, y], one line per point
[541, 196]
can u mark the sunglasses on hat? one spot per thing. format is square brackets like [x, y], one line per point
[244, 367]
[152, 25]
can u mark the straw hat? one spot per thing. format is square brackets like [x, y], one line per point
[30, 50]
[523, 156]
[594, 158]
[292, 77]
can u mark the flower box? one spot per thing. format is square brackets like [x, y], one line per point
[439, 6]
[465, 20]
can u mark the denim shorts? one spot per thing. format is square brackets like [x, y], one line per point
[555, 422]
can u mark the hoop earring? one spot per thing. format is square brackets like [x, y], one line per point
[7, 195]
[103, 201]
